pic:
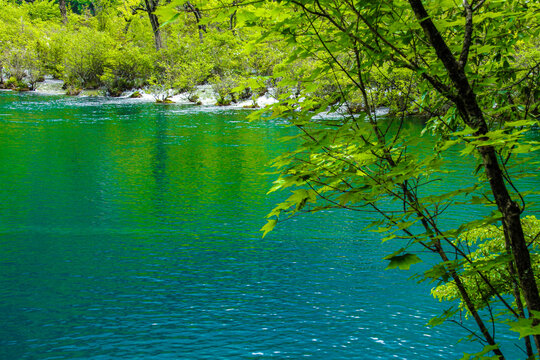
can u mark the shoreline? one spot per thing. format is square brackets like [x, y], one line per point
[204, 93]
[206, 98]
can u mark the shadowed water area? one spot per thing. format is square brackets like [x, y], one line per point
[131, 231]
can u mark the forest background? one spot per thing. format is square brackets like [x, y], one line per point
[115, 47]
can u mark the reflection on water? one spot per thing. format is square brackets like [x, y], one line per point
[130, 231]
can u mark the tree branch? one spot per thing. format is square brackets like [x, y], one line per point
[467, 39]
[477, 6]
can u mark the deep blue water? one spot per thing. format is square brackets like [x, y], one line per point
[131, 231]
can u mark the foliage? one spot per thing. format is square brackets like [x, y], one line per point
[470, 68]
[460, 65]
[19, 55]
[127, 68]
[44, 10]
[108, 45]
[51, 50]
[223, 87]
[87, 56]
[491, 256]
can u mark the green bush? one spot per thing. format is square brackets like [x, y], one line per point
[15, 62]
[51, 50]
[44, 10]
[223, 88]
[87, 56]
[128, 68]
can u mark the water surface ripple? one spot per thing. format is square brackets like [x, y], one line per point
[130, 231]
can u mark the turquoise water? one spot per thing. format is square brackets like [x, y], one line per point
[130, 231]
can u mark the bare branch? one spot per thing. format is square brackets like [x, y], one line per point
[477, 6]
[531, 70]
[467, 39]
[135, 9]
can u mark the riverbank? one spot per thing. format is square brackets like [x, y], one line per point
[204, 95]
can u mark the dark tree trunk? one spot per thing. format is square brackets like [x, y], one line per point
[128, 24]
[155, 29]
[520, 308]
[198, 16]
[232, 19]
[151, 6]
[63, 10]
[472, 115]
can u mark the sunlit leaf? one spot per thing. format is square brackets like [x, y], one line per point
[270, 225]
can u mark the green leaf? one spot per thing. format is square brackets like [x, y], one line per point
[521, 123]
[489, 264]
[438, 320]
[480, 355]
[171, 20]
[525, 327]
[485, 49]
[466, 131]
[403, 262]
[389, 237]
[268, 227]
[381, 229]
[440, 271]
[494, 217]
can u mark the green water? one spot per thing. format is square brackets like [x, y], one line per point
[130, 231]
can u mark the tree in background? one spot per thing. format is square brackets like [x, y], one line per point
[109, 47]
[63, 10]
[150, 7]
[189, 7]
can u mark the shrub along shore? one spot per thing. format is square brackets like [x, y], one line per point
[112, 48]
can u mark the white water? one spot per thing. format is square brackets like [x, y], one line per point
[205, 93]
[50, 86]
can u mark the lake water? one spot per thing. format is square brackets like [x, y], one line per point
[130, 230]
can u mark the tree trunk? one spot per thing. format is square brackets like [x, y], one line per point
[151, 6]
[232, 18]
[473, 116]
[128, 24]
[155, 29]
[63, 11]
[198, 16]
[519, 305]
